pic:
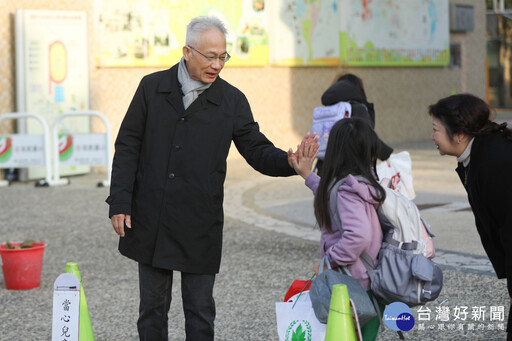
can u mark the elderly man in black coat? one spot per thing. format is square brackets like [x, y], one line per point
[168, 174]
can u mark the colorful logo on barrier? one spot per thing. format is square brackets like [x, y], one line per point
[5, 148]
[65, 147]
[298, 330]
[398, 316]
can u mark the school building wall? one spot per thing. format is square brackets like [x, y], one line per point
[282, 98]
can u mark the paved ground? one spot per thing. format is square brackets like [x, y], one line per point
[269, 240]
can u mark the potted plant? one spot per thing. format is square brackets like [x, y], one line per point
[22, 263]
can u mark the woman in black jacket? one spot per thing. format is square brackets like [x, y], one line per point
[349, 88]
[462, 128]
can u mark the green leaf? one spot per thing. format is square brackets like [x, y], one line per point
[298, 334]
[27, 244]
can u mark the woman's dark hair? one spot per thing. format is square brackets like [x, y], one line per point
[468, 114]
[352, 148]
[350, 77]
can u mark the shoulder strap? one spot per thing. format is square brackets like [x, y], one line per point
[333, 206]
[333, 198]
[333, 203]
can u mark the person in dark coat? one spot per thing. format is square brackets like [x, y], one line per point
[349, 88]
[462, 128]
[168, 174]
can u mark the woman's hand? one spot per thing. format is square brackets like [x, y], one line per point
[302, 160]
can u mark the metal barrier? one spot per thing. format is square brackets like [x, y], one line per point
[93, 155]
[29, 144]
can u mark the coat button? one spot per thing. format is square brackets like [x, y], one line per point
[177, 147]
[172, 176]
[182, 119]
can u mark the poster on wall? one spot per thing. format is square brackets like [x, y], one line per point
[138, 33]
[394, 33]
[304, 33]
[300, 33]
[52, 73]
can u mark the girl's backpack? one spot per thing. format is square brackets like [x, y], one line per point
[403, 273]
[323, 120]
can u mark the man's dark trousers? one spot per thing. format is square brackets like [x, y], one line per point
[155, 301]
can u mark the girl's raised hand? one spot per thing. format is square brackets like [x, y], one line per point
[302, 160]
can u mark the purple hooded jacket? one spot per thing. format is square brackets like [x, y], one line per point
[362, 232]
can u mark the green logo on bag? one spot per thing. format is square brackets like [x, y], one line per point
[300, 330]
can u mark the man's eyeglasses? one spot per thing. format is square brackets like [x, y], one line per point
[222, 58]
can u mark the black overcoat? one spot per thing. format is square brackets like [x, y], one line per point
[169, 169]
[488, 182]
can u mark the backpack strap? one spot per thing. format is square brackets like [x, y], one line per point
[333, 203]
[367, 261]
[333, 206]
[388, 238]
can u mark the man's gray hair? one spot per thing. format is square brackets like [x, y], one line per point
[199, 25]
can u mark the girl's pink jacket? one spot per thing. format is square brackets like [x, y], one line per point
[362, 231]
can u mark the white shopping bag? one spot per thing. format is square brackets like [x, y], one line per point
[398, 168]
[297, 320]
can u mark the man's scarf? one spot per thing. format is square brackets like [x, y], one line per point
[191, 88]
